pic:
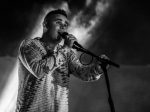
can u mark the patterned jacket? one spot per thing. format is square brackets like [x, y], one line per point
[44, 80]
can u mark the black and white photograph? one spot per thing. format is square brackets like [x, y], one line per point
[74, 56]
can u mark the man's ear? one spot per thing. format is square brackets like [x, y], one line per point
[44, 27]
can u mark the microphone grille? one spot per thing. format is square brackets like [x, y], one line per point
[63, 34]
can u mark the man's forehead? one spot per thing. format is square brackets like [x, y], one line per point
[58, 16]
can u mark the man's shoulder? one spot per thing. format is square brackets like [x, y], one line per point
[29, 42]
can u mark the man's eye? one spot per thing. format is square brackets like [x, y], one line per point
[65, 25]
[58, 22]
[62, 24]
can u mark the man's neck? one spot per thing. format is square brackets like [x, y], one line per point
[48, 42]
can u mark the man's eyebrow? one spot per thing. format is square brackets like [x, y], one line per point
[58, 19]
[66, 22]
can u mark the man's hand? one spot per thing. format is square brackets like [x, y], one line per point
[70, 39]
[103, 56]
[99, 64]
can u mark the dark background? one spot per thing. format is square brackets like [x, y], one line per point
[123, 35]
[125, 32]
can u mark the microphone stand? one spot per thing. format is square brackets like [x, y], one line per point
[104, 63]
[110, 100]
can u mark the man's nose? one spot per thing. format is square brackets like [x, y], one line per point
[62, 27]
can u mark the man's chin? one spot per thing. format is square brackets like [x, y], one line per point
[57, 40]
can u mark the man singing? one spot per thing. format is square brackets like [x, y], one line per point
[45, 66]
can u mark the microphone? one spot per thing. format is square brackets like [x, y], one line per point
[79, 47]
[76, 45]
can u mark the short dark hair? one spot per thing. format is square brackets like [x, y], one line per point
[54, 12]
[57, 11]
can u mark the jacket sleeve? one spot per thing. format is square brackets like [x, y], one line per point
[90, 72]
[31, 57]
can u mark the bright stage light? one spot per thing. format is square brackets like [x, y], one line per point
[9, 94]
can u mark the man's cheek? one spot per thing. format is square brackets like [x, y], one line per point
[57, 28]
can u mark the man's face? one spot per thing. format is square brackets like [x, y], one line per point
[57, 23]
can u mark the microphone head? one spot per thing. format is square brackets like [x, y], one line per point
[62, 34]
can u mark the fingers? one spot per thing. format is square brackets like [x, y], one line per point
[72, 37]
[99, 69]
[70, 40]
[103, 56]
